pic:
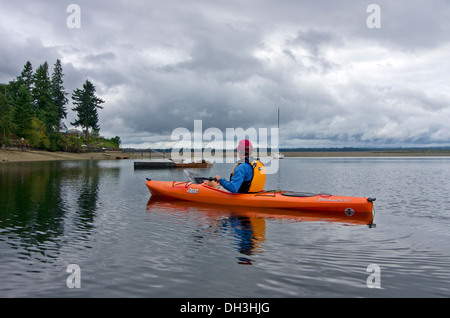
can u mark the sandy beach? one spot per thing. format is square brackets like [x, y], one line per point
[12, 155]
[17, 155]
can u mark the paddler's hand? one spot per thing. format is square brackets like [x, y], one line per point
[213, 183]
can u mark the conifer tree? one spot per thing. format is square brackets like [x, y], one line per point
[22, 112]
[5, 117]
[20, 100]
[57, 91]
[45, 108]
[26, 77]
[86, 107]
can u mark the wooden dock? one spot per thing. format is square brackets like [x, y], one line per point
[170, 165]
[154, 164]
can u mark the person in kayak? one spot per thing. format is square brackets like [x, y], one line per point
[248, 177]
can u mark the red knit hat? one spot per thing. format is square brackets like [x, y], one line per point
[245, 145]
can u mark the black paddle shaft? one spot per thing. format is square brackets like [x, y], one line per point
[201, 179]
[194, 178]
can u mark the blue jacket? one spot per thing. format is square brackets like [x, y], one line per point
[243, 172]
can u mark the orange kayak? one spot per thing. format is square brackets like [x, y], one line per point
[265, 199]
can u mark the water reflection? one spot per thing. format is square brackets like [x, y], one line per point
[250, 235]
[247, 224]
[30, 202]
[88, 180]
[42, 202]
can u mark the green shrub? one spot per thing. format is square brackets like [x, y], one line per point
[37, 136]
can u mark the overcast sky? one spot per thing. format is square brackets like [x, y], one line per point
[160, 65]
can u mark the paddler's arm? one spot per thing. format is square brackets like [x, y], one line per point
[236, 181]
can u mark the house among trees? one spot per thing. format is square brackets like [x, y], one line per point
[63, 128]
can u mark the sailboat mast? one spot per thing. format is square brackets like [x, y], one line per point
[278, 119]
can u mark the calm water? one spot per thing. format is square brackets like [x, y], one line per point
[98, 215]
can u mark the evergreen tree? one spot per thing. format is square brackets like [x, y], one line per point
[26, 77]
[5, 117]
[86, 107]
[20, 99]
[57, 91]
[22, 112]
[41, 89]
[46, 110]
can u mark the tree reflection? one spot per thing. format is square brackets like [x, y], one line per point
[30, 201]
[44, 203]
[88, 180]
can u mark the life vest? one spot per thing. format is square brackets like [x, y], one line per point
[256, 184]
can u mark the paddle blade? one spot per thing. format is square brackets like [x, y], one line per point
[189, 175]
[195, 178]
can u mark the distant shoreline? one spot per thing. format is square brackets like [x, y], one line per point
[369, 153]
[17, 155]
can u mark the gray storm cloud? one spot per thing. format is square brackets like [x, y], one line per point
[160, 65]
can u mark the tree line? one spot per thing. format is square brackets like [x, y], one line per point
[33, 105]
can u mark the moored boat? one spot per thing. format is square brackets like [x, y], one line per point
[202, 164]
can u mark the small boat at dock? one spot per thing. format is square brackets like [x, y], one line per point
[202, 164]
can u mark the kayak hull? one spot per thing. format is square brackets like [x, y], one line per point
[266, 199]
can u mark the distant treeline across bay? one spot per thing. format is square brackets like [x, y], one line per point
[330, 149]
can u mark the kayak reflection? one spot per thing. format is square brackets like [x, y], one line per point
[295, 215]
[249, 223]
